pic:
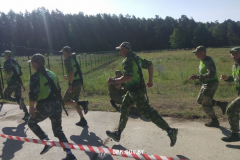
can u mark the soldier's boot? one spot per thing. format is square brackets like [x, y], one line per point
[233, 138]
[84, 104]
[223, 106]
[70, 157]
[115, 135]
[172, 133]
[25, 118]
[114, 105]
[45, 149]
[213, 123]
[82, 122]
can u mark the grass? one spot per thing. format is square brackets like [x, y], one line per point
[172, 94]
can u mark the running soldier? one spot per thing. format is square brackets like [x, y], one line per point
[14, 83]
[132, 76]
[75, 83]
[234, 106]
[48, 105]
[209, 80]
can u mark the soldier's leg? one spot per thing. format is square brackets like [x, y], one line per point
[208, 93]
[44, 111]
[8, 92]
[200, 96]
[150, 113]
[233, 115]
[147, 111]
[56, 120]
[125, 109]
[233, 118]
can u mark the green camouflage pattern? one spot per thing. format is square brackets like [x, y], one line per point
[211, 74]
[130, 68]
[235, 49]
[205, 98]
[138, 98]
[69, 64]
[53, 111]
[74, 95]
[16, 88]
[233, 115]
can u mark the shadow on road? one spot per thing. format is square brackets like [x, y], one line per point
[182, 157]
[225, 131]
[233, 146]
[90, 138]
[12, 146]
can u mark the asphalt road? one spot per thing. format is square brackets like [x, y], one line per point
[195, 141]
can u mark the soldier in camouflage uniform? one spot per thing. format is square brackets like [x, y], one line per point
[117, 91]
[208, 77]
[48, 105]
[13, 85]
[72, 94]
[234, 107]
[136, 93]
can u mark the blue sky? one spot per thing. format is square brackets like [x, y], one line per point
[203, 11]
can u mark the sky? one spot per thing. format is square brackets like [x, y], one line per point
[199, 10]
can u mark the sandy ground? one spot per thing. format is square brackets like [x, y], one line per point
[195, 141]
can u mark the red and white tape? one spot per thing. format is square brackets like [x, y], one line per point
[94, 149]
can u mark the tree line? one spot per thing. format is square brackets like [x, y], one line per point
[51, 30]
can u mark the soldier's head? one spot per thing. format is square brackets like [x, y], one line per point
[66, 51]
[124, 49]
[200, 52]
[37, 61]
[235, 54]
[7, 54]
[118, 74]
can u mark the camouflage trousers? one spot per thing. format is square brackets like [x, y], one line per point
[205, 98]
[53, 111]
[138, 98]
[233, 115]
[117, 97]
[16, 88]
[74, 95]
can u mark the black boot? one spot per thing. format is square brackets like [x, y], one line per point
[84, 104]
[223, 106]
[213, 123]
[233, 138]
[82, 122]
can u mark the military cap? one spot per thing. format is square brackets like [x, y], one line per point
[37, 58]
[235, 49]
[7, 52]
[126, 45]
[199, 48]
[66, 49]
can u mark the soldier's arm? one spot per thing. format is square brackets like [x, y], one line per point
[211, 72]
[34, 88]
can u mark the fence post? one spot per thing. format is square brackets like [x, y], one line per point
[86, 61]
[29, 65]
[62, 64]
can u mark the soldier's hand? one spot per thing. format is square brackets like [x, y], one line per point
[149, 84]
[65, 77]
[110, 80]
[193, 77]
[32, 111]
[223, 77]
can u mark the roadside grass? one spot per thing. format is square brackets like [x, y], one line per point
[172, 94]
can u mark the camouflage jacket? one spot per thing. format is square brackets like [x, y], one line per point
[130, 68]
[211, 75]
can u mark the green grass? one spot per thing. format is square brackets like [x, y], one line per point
[172, 94]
